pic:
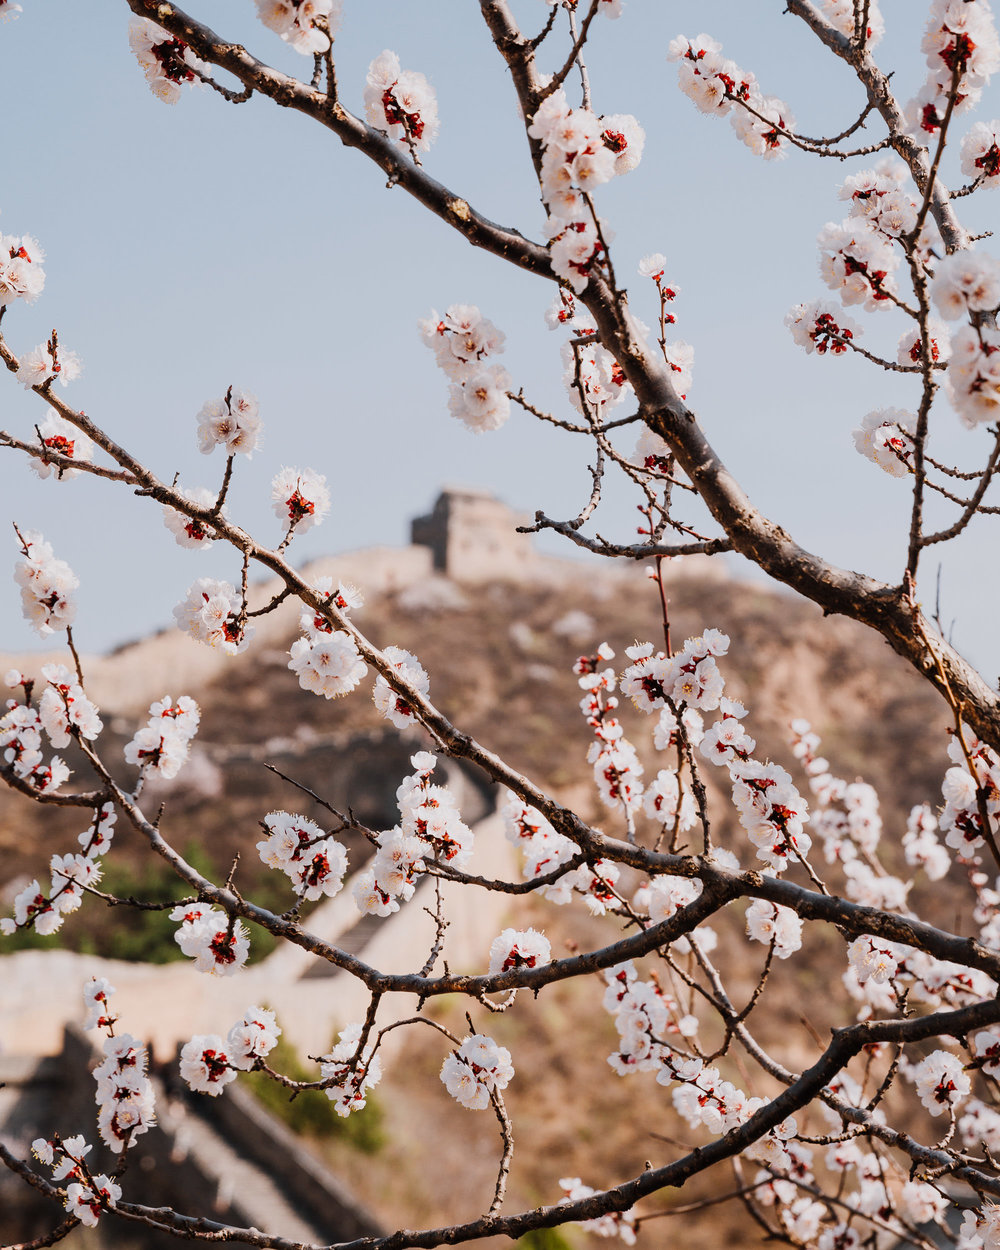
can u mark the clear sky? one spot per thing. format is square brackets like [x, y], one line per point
[194, 246]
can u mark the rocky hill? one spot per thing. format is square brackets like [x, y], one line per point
[499, 653]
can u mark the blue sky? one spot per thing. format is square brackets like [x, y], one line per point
[204, 244]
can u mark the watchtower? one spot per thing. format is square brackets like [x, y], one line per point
[473, 537]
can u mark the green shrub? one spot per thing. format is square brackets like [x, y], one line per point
[543, 1239]
[131, 934]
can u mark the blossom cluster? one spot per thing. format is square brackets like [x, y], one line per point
[594, 379]
[463, 340]
[299, 498]
[401, 102]
[46, 585]
[63, 439]
[879, 971]
[519, 948]
[909, 350]
[345, 598]
[314, 862]
[974, 779]
[980, 1228]
[974, 374]
[21, 742]
[669, 803]
[326, 661]
[388, 703]
[126, 1106]
[644, 1013]
[857, 262]
[86, 1195]
[941, 1081]
[349, 1075]
[70, 876]
[232, 422]
[688, 680]
[208, 1064]
[64, 710]
[45, 363]
[872, 958]
[858, 259]
[477, 1069]
[981, 154]
[162, 745]
[979, 1123]
[616, 765]
[212, 614]
[884, 1196]
[21, 272]
[653, 1036]
[217, 944]
[97, 999]
[430, 828]
[327, 664]
[921, 845]
[726, 740]
[820, 327]
[565, 312]
[391, 877]
[716, 84]
[775, 926]
[124, 1095]
[885, 437]
[614, 1224]
[547, 851]
[704, 1098]
[848, 822]
[967, 284]
[690, 677]
[580, 151]
[188, 531]
[667, 800]
[168, 62]
[962, 49]
[859, 256]
[771, 809]
[877, 196]
[843, 16]
[308, 26]
[663, 896]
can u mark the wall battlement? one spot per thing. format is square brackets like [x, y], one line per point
[473, 537]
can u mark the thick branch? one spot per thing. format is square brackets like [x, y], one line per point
[846, 1043]
[752, 534]
[881, 98]
[767, 544]
[399, 168]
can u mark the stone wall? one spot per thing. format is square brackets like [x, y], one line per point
[473, 537]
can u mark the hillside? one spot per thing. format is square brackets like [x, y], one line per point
[499, 654]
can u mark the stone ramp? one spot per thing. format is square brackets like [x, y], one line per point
[166, 1004]
[228, 1159]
